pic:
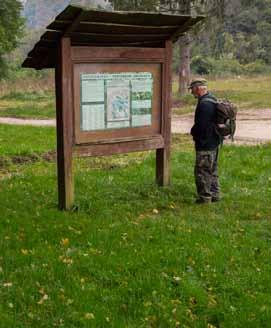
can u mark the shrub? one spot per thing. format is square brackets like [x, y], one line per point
[201, 65]
[226, 66]
[257, 67]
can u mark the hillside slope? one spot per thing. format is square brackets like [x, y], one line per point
[39, 13]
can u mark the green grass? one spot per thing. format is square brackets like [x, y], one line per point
[135, 255]
[26, 140]
[34, 104]
[246, 92]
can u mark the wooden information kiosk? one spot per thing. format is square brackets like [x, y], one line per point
[113, 85]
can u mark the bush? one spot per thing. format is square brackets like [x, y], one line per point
[258, 67]
[226, 66]
[15, 72]
[201, 65]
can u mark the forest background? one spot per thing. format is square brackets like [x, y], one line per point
[235, 38]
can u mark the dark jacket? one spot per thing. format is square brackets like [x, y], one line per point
[203, 130]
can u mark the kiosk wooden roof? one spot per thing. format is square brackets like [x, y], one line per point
[88, 27]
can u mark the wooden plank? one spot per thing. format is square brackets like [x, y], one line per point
[118, 37]
[48, 44]
[51, 36]
[119, 147]
[134, 18]
[59, 25]
[89, 38]
[103, 27]
[47, 61]
[74, 24]
[97, 54]
[39, 62]
[122, 17]
[163, 154]
[124, 140]
[46, 48]
[96, 27]
[64, 106]
[149, 44]
[37, 58]
[124, 53]
[41, 51]
[43, 47]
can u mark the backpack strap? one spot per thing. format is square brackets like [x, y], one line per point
[209, 99]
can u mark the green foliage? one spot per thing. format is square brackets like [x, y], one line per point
[201, 65]
[144, 5]
[15, 72]
[257, 67]
[227, 67]
[230, 66]
[11, 29]
[243, 34]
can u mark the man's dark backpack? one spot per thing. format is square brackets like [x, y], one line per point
[226, 112]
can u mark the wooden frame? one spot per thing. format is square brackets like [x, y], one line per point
[92, 136]
[64, 116]
[71, 141]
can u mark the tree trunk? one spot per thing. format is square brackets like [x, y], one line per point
[184, 68]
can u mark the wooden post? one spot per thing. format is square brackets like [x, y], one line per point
[163, 155]
[64, 115]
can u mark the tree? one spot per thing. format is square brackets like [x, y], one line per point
[11, 29]
[183, 7]
[144, 5]
[210, 8]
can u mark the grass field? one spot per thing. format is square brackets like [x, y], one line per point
[134, 255]
[26, 140]
[36, 99]
[245, 92]
[28, 98]
[33, 104]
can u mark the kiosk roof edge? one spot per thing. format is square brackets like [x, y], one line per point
[92, 27]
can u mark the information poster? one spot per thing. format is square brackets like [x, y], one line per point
[117, 100]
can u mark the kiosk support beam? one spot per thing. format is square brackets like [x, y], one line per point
[163, 154]
[64, 114]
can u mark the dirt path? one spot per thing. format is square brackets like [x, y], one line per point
[253, 126]
[33, 122]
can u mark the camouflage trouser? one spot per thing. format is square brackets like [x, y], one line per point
[206, 174]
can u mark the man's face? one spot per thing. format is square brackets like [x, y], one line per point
[195, 92]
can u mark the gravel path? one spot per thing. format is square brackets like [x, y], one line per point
[33, 122]
[253, 126]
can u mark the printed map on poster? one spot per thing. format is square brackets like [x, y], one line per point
[117, 100]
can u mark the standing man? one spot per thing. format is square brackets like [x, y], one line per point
[206, 143]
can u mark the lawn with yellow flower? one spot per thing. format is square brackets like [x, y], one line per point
[135, 255]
